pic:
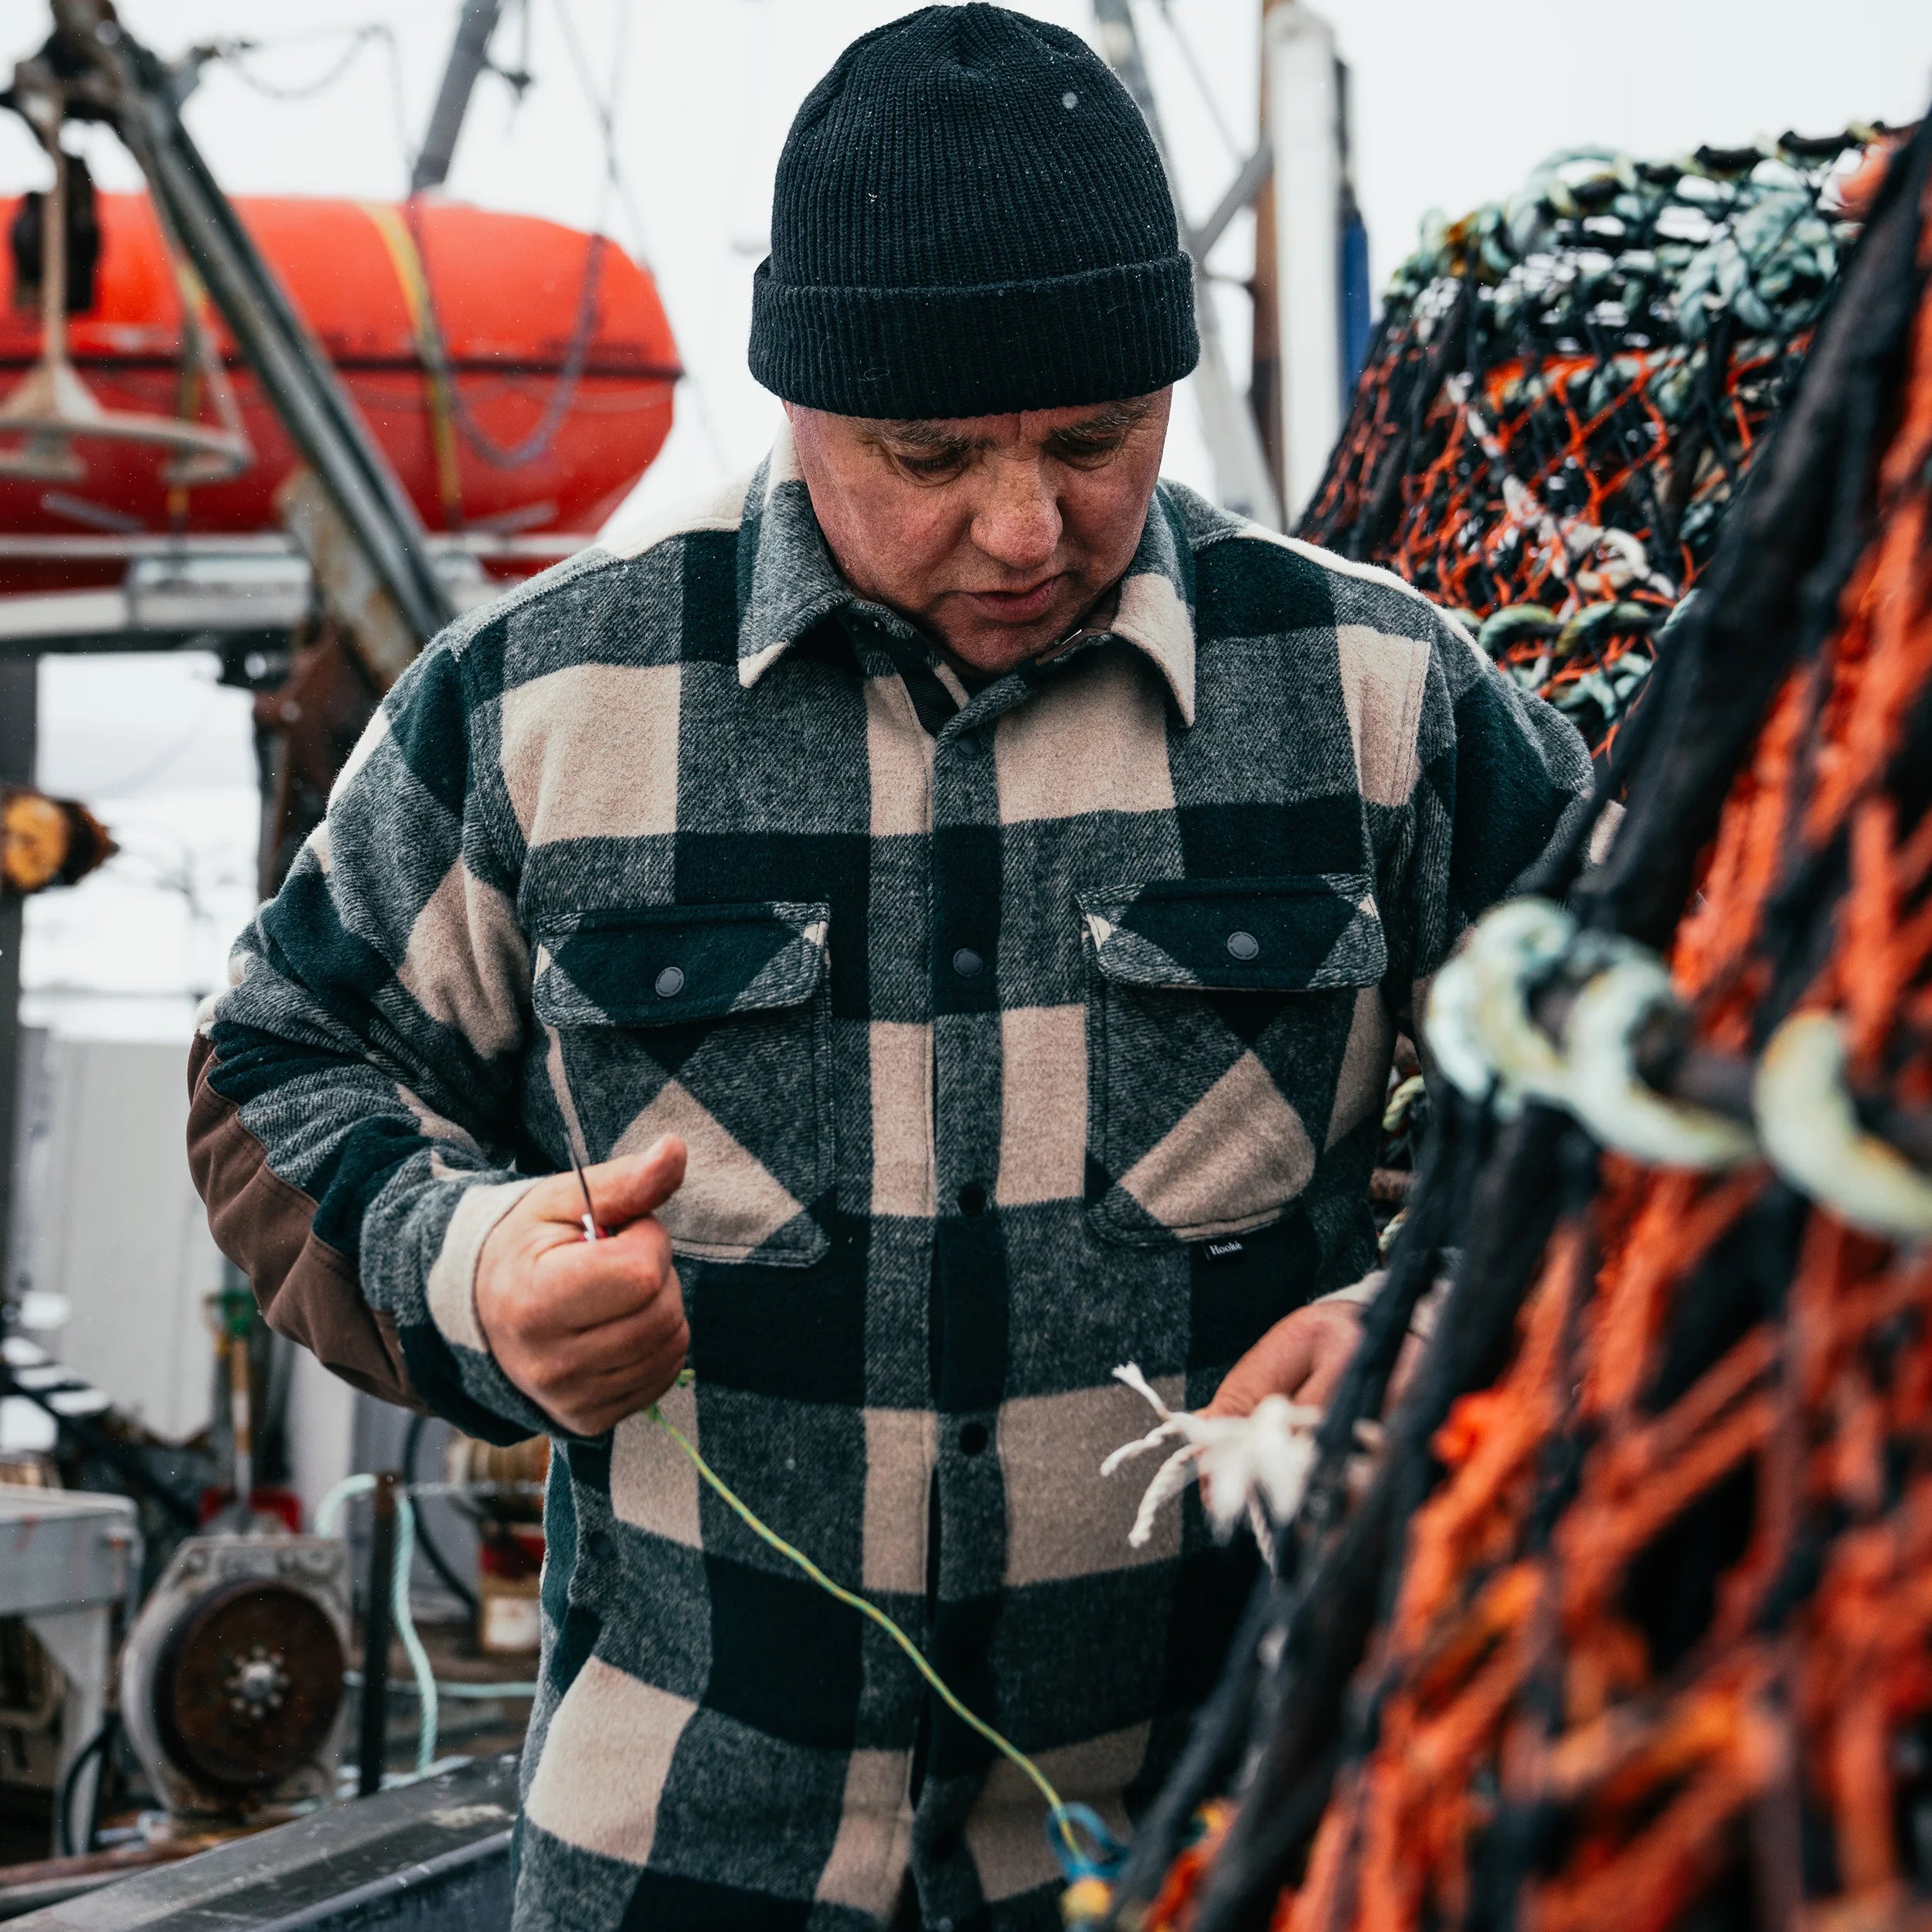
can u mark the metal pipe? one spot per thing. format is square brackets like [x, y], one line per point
[242, 1426]
[468, 57]
[1303, 132]
[19, 683]
[53, 253]
[376, 1637]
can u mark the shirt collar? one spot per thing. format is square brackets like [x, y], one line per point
[791, 584]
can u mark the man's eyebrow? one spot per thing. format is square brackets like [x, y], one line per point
[927, 436]
[1110, 419]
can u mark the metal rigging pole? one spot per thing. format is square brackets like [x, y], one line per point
[1264, 367]
[469, 58]
[1242, 478]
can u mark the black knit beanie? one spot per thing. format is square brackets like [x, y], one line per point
[969, 218]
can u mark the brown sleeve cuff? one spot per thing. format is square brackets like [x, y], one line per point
[306, 1290]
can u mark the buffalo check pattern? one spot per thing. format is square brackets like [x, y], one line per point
[982, 1029]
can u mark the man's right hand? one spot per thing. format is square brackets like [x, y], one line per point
[591, 1331]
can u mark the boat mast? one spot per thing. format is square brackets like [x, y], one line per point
[1298, 350]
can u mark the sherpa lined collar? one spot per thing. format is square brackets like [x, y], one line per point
[791, 583]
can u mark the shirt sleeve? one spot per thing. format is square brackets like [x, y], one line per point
[1497, 774]
[353, 1092]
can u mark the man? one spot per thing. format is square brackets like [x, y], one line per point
[958, 896]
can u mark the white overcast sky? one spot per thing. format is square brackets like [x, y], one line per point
[1454, 101]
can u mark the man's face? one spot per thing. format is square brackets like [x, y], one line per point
[994, 533]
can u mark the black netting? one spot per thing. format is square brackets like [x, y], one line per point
[1565, 388]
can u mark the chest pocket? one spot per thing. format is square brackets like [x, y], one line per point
[711, 1022]
[1219, 1012]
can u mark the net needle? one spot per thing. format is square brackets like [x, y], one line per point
[591, 1231]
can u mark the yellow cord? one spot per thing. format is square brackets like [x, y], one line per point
[885, 1623]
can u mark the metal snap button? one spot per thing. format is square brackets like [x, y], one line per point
[968, 964]
[670, 982]
[1244, 946]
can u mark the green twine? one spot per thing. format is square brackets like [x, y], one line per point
[766, 1535]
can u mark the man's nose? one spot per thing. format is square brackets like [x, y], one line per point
[1020, 523]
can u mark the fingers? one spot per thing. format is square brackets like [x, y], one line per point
[621, 1190]
[1278, 1364]
[1256, 1375]
[591, 1381]
[616, 1348]
[582, 1285]
[626, 1189]
[1301, 1357]
[1405, 1369]
[1323, 1375]
[590, 1411]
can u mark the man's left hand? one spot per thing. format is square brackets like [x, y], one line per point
[1302, 1357]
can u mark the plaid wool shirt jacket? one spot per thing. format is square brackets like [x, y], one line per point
[1049, 1033]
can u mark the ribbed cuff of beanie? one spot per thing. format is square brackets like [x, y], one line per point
[911, 353]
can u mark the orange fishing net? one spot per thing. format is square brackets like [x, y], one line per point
[1652, 1632]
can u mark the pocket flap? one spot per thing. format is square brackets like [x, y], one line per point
[1303, 932]
[660, 965]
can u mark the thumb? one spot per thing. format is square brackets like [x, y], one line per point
[623, 1190]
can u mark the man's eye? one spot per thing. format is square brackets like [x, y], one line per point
[1086, 449]
[942, 464]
